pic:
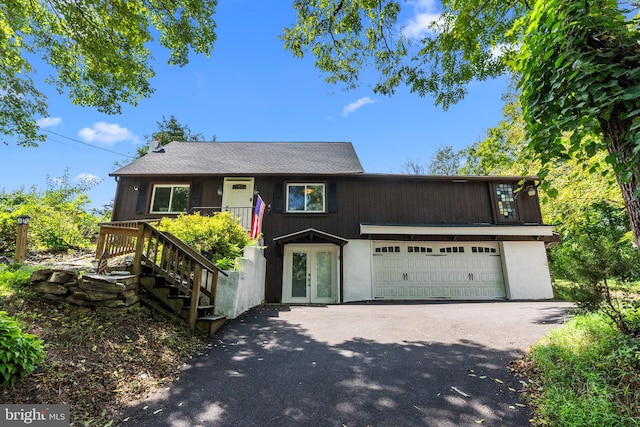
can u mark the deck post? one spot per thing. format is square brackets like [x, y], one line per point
[137, 259]
[195, 296]
[100, 243]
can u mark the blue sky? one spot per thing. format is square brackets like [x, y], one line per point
[251, 89]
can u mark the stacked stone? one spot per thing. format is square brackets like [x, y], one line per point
[107, 294]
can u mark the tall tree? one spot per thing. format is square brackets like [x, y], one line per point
[577, 61]
[445, 161]
[581, 77]
[98, 53]
[170, 130]
[412, 167]
[504, 149]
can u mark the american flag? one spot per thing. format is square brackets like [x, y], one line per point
[258, 213]
[102, 265]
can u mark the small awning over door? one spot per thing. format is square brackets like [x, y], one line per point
[310, 235]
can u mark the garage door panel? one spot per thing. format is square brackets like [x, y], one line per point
[438, 270]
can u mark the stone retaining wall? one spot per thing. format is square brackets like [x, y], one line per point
[110, 294]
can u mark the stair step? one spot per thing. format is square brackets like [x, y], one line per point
[212, 318]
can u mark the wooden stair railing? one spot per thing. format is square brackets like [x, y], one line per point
[119, 237]
[190, 276]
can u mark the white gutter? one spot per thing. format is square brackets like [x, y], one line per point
[460, 230]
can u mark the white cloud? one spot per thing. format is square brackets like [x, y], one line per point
[501, 49]
[106, 133]
[419, 26]
[426, 14]
[47, 122]
[355, 105]
[88, 178]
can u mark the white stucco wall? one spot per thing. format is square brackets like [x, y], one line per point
[244, 288]
[526, 270]
[357, 271]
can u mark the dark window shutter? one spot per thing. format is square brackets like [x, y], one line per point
[195, 194]
[278, 197]
[141, 203]
[332, 198]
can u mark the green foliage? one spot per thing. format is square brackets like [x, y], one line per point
[20, 353]
[220, 238]
[597, 247]
[345, 37]
[59, 218]
[580, 77]
[445, 161]
[589, 374]
[168, 131]
[97, 52]
[504, 149]
[14, 278]
[581, 87]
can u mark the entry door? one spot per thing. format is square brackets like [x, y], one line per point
[237, 198]
[310, 274]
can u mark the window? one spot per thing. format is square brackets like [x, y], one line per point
[480, 249]
[506, 202]
[169, 198]
[419, 249]
[305, 198]
[452, 249]
[388, 249]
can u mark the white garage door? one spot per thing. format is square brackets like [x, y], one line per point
[425, 270]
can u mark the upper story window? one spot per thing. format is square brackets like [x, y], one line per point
[305, 198]
[506, 202]
[169, 198]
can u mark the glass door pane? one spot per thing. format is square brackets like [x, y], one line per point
[324, 273]
[299, 275]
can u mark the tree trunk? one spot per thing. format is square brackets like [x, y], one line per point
[613, 132]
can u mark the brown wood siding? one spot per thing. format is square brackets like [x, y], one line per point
[369, 199]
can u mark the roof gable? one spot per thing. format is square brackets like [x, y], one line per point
[248, 158]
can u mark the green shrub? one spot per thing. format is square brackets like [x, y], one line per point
[219, 238]
[589, 375]
[20, 353]
[59, 217]
[597, 251]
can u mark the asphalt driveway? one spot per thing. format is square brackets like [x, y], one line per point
[353, 365]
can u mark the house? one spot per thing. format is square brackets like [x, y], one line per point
[334, 233]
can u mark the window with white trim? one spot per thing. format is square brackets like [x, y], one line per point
[169, 198]
[305, 198]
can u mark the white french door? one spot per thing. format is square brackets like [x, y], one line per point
[310, 273]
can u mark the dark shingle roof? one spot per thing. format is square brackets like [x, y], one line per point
[248, 158]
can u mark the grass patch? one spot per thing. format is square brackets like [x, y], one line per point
[585, 373]
[13, 279]
[565, 290]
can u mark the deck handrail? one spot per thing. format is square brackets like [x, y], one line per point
[118, 237]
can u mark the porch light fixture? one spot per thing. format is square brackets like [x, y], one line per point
[531, 191]
[23, 219]
[220, 190]
[256, 191]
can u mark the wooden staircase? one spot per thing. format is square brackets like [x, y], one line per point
[173, 278]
